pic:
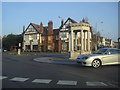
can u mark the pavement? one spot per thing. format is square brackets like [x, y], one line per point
[55, 60]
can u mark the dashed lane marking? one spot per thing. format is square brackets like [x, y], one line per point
[63, 82]
[3, 77]
[19, 79]
[42, 81]
[96, 84]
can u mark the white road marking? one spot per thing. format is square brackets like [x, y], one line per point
[2, 77]
[64, 82]
[96, 84]
[42, 81]
[60, 82]
[19, 79]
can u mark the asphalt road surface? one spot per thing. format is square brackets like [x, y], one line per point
[21, 71]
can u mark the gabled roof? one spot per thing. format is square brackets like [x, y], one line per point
[37, 27]
[73, 21]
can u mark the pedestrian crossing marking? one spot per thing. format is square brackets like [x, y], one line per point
[19, 79]
[64, 82]
[60, 82]
[96, 84]
[42, 81]
[2, 77]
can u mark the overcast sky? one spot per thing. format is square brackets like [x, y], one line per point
[15, 15]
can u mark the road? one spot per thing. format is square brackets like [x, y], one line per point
[21, 71]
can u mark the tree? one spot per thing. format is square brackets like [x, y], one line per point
[11, 40]
[95, 38]
[98, 34]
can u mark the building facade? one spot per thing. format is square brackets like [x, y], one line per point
[40, 38]
[64, 34]
[72, 37]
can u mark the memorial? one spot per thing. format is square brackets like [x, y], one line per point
[80, 39]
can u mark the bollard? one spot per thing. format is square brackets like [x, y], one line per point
[18, 51]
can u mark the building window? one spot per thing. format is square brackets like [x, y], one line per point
[49, 47]
[26, 37]
[49, 39]
[42, 38]
[63, 35]
[30, 37]
[34, 36]
[37, 36]
[27, 47]
[31, 30]
[35, 47]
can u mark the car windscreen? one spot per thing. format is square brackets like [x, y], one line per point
[101, 51]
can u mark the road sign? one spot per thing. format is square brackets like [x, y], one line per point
[19, 44]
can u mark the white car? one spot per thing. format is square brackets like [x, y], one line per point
[104, 56]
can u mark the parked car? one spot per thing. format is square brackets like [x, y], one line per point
[104, 56]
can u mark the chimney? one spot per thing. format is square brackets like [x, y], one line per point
[62, 22]
[23, 29]
[41, 27]
[50, 27]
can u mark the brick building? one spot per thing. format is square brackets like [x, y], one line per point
[45, 38]
[40, 38]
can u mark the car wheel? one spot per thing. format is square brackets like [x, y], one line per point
[96, 63]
